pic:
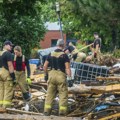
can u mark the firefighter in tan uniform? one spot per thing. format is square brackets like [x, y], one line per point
[75, 54]
[20, 63]
[60, 66]
[96, 52]
[7, 76]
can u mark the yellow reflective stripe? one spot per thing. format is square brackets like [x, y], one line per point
[63, 108]
[1, 102]
[47, 106]
[5, 102]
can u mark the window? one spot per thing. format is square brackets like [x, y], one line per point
[53, 42]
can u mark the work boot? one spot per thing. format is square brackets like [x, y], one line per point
[62, 113]
[47, 112]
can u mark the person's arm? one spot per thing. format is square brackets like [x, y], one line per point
[67, 65]
[27, 67]
[45, 70]
[45, 67]
[10, 65]
[68, 70]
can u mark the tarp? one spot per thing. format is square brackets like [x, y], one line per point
[43, 53]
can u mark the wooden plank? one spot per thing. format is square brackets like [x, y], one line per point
[34, 117]
[109, 88]
[94, 89]
[2, 110]
[38, 93]
[111, 117]
[9, 110]
[108, 78]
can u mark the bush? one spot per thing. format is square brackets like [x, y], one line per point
[116, 53]
[34, 54]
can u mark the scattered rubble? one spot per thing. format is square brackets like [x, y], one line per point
[100, 101]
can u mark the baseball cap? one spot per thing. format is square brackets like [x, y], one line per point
[60, 42]
[7, 42]
[95, 33]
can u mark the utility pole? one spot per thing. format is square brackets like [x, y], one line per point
[58, 12]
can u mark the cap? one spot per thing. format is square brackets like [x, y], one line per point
[60, 42]
[7, 42]
[95, 33]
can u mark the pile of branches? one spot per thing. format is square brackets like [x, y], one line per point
[108, 60]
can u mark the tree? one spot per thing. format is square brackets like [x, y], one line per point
[21, 22]
[84, 17]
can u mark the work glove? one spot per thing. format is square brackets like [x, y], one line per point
[13, 78]
[29, 81]
[70, 81]
[46, 77]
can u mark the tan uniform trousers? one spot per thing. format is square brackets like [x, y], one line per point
[6, 88]
[98, 57]
[57, 84]
[80, 55]
[21, 80]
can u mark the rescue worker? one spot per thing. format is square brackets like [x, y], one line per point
[20, 64]
[96, 52]
[74, 53]
[7, 76]
[60, 66]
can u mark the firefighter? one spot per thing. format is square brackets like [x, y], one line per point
[95, 49]
[20, 63]
[74, 53]
[7, 76]
[60, 66]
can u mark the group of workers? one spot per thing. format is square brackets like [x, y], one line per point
[13, 71]
[78, 56]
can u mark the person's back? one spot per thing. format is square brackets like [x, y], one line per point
[59, 63]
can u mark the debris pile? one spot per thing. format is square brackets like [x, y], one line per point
[86, 101]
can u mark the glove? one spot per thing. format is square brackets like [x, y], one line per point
[29, 81]
[70, 81]
[95, 55]
[46, 77]
[13, 78]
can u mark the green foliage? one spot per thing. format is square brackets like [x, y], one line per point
[84, 17]
[21, 22]
[80, 46]
[34, 54]
[116, 53]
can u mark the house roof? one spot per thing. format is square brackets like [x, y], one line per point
[52, 26]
